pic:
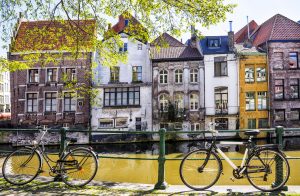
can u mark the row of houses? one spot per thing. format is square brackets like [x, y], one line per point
[248, 79]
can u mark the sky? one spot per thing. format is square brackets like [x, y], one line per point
[258, 10]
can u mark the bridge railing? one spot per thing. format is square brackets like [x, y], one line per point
[161, 182]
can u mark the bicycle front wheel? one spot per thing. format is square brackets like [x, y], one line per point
[21, 166]
[79, 167]
[268, 170]
[200, 169]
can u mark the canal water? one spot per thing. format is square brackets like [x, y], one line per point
[132, 170]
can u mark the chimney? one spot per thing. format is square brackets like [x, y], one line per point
[193, 37]
[230, 38]
[248, 43]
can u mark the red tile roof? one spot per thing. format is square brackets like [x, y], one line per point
[53, 35]
[164, 39]
[242, 34]
[277, 27]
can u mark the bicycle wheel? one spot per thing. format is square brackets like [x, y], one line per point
[198, 175]
[21, 166]
[267, 170]
[79, 167]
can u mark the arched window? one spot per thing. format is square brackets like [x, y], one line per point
[194, 75]
[178, 76]
[163, 102]
[178, 99]
[194, 101]
[163, 77]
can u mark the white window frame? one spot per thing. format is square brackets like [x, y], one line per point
[164, 74]
[193, 102]
[194, 76]
[178, 79]
[108, 119]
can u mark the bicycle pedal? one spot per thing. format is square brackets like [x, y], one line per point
[222, 173]
[232, 179]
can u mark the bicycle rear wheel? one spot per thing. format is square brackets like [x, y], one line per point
[79, 167]
[268, 170]
[21, 166]
[198, 174]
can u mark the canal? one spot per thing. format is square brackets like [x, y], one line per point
[112, 169]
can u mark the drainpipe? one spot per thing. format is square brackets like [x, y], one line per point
[269, 102]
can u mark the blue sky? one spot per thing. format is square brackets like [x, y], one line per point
[258, 10]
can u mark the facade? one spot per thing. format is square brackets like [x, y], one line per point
[178, 84]
[124, 91]
[253, 82]
[221, 81]
[40, 95]
[279, 37]
[4, 92]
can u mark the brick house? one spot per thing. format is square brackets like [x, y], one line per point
[178, 84]
[41, 94]
[279, 37]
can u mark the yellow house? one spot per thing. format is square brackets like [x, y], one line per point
[253, 83]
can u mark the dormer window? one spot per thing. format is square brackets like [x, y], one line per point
[214, 43]
[126, 22]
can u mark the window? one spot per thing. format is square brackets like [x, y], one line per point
[138, 124]
[252, 123]
[164, 126]
[1, 99]
[178, 126]
[261, 74]
[195, 127]
[1, 87]
[250, 101]
[71, 74]
[194, 103]
[221, 69]
[178, 101]
[262, 100]
[32, 102]
[194, 75]
[178, 76]
[50, 102]
[221, 123]
[121, 122]
[249, 74]
[294, 85]
[279, 115]
[140, 46]
[214, 43]
[163, 77]
[221, 100]
[114, 74]
[106, 123]
[278, 60]
[126, 22]
[33, 75]
[69, 102]
[124, 48]
[263, 123]
[51, 75]
[122, 96]
[295, 114]
[163, 102]
[7, 101]
[293, 60]
[279, 89]
[137, 73]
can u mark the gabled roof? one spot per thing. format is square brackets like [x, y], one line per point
[242, 34]
[223, 49]
[167, 48]
[277, 28]
[164, 39]
[53, 35]
[134, 28]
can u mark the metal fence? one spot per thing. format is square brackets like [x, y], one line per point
[161, 183]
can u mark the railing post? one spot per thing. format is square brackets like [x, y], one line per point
[62, 141]
[279, 164]
[161, 183]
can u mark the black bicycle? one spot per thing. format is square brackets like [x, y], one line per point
[76, 167]
[265, 166]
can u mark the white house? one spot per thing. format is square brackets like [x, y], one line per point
[125, 91]
[221, 81]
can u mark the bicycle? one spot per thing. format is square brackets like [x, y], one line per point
[265, 166]
[76, 167]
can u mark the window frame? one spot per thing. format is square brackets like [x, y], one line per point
[215, 46]
[163, 76]
[54, 75]
[139, 46]
[251, 121]
[178, 76]
[72, 102]
[219, 123]
[216, 63]
[114, 74]
[107, 119]
[164, 103]
[275, 114]
[265, 72]
[260, 123]
[116, 96]
[36, 76]
[277, 86]
[294, 85]
[53, 108]
[219, 91]
[34, 102]
[297, 60]
[261, 98]
[247, 98]
[71, 74]
[194, 76]
[194, 102]
[248, 79]
[138, 72]
[292, 110]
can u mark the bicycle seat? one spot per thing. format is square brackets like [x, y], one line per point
[72, 140]
[252, 132]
